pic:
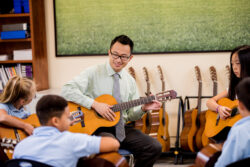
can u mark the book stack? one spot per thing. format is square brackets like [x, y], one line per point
[15, 31]
[21, 6]
[25, 54]
[6, 72]
[4, 57]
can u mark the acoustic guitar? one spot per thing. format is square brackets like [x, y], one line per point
[215, 125]
[89, 121]
[208, 156]
[163, 135]
[191, 122]
[10, 136]
[152, 122]
[139, 123]
[213, 75]
[112, 159]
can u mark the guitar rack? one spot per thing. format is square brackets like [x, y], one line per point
[183, 107]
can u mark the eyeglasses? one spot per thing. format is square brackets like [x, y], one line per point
[116, 56]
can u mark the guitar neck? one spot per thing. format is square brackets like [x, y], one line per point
[215, 88]
[199, 97]
[133, 103]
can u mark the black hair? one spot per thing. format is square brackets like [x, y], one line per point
[123, 39]
[50, 106]
[243, 92]
[243, 53]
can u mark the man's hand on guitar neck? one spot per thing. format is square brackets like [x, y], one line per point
[224, 112]
[104, 110]
[155, 105]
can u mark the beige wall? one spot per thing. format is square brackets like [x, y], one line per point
[178, 69]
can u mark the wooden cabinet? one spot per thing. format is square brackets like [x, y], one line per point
[36, 42]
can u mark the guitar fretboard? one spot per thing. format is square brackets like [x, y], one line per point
[133, 103]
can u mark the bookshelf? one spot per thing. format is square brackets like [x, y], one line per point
[36, 42]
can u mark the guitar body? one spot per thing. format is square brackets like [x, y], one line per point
[139, 124]
[198, 136]
[163, 135]
[208, 156]
[211, 129]
[91, 119]
[188, 132]
[112, 159]
[10, 137]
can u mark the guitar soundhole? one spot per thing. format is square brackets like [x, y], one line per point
[234, 111]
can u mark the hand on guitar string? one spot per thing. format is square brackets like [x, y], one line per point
[224, 112]
[104, 110]
[28, 128]
[154, 105]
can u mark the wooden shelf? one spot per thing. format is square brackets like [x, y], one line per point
[15, 61]
[15, 15]
[16, 40]
[36, 42]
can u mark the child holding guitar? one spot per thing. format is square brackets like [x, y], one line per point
[52, 144]
[237, 144]
[17, 93]
[240, 68]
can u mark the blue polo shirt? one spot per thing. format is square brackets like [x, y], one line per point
[11, 110]
[237, 145]
[59, 149]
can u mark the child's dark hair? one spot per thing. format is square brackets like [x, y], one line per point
[50, 106]
[123, 39]
[243, 92]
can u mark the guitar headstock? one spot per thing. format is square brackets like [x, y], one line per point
[213, 73]
[145, 72]
[166, 95]
[228, 71]
[8, 145]
[160, 72]
[197, 73]
[131, 72]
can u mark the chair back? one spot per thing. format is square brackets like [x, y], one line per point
[25, 163]
[242, 163]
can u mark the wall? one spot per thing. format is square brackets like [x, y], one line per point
[178, 70]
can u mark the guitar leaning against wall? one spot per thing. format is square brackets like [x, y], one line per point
[163, 135]
[213, 75]
[139, 123]
[191, 120]
[151, 123]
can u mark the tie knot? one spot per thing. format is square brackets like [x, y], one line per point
[116, 75]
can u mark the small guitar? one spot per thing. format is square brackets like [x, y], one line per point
[191, 122]
[163, 135]
[139, 123]
[112, 159]
[90, 121]
[208, 156]
[214, 125]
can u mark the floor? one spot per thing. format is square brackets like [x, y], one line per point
[164, 161]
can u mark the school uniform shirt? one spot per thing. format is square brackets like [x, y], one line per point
[59, 149]
[98, 80]
[11, 110]
[237, 145]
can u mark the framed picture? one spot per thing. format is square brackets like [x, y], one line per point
[86, 27]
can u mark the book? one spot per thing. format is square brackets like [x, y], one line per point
[20, 34]
[15, 27]
[24, 54]
[4, 57]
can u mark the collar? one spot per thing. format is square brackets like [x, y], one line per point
[45, 131]
[111, 72]
[14, 109]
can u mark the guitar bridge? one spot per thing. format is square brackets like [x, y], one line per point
[82, 116]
